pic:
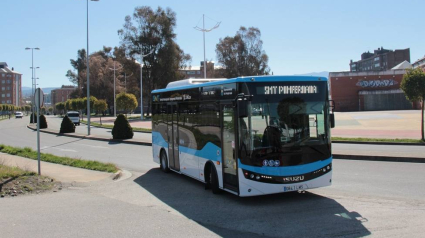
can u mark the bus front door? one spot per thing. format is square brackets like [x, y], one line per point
[173, 138]
[230, 176]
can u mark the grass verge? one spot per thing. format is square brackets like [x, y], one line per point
[78, 163]
[15, 181]
[111, 126]
[13, 172]
[378, 140]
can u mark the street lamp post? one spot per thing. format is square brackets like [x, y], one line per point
[125, 80]
[203, 29]
[141, 81]
[32, 79]
[115, 101]
[88, 70]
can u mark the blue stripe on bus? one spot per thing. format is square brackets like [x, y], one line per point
[288, 170]
[210, 151]
[157, 139]
[247, 79]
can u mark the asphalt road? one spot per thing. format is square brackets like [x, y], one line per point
[130, 157]
[381, 199]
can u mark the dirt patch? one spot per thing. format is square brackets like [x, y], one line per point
[25, 185]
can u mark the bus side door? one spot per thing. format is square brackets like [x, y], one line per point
[173, 137]
[228, 135]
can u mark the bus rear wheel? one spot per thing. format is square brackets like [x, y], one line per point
[164, 162]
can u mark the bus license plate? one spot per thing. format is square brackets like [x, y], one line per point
[293, 188]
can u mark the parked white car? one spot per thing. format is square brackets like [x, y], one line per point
[19, 115]
[74, 117]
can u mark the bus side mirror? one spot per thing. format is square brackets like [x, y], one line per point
[242, 108]
[332, 117]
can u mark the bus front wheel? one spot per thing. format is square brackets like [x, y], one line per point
[164, 162]
[213, 181]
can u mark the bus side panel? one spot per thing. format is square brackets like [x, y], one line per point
[158, 142]
[189, 163]
[193, 161]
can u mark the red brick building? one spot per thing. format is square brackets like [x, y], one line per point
[10, 85]
[61, 94]
[369, 91]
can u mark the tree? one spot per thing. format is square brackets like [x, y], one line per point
[80, 106]
[153, 31]
[126, 102]
[100, 106]
[80, 64]
[92, 100]
[413, 85]
[60, 106]
[68, 105]
[242, 55]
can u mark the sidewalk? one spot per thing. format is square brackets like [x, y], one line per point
[62, 173]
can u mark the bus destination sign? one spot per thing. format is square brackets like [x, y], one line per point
[292, 89]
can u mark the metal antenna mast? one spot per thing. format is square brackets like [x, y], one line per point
[203, 31]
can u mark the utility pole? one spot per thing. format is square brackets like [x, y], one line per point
[141, 80]
[125, 80]
[203, 31]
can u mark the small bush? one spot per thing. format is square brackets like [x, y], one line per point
[67, 126]
[43, 122]
[35, 118]
[122, 129]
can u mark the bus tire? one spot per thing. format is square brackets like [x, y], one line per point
[213, 180]
[164, 162]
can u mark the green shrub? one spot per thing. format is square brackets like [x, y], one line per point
[43, 122]
[35, 118]
[67, 126]
[122, 129]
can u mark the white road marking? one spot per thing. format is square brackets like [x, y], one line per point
[49, 147]
[94, 146]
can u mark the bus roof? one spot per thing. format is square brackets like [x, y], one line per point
[195, 83]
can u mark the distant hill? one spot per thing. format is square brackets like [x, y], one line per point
[26, 91]
[319, 74]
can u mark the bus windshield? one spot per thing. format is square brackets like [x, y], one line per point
[290, 128]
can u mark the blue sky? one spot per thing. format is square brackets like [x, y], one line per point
[298, 36]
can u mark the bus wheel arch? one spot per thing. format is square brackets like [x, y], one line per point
[211, 178]
[163, 161]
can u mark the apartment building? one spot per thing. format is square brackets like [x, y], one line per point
[10, 85]
[380, 60]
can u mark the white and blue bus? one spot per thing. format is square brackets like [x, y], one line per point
[248, 136]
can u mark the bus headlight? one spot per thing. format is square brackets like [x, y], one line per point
[277, 163]
[257, 177]
[252, 176]
[265, 162]
[271, 162]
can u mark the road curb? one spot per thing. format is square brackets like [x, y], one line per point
[134, 142]
[379, 158]
[376, 143]
[149, 132]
